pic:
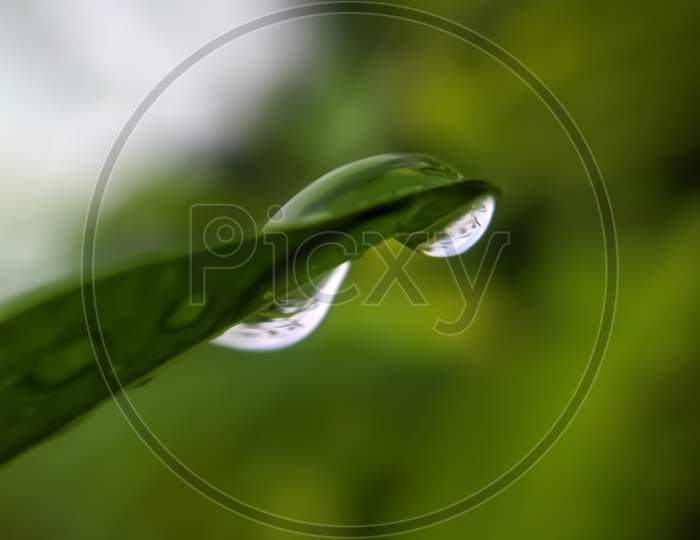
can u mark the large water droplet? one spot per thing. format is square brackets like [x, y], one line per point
[363, 184]
[462, 233]
[288, 320]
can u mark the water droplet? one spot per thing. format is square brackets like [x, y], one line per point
[462, 233]
[366, 183]
[28, 411]
[8, 381]
[357, 187]
[288, 320]
[58, 367]
[184, 314]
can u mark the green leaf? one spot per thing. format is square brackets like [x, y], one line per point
[48, 372]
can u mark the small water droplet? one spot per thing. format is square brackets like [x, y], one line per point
[62, 365]
[184, 314]
[8, 381]
[28, 411]
[288, 320]
[461, 234]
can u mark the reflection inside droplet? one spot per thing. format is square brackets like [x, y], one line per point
[462, 233]
[288, 320]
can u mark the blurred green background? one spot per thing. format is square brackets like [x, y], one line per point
[376, 417]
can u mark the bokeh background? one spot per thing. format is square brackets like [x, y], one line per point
[375, 417]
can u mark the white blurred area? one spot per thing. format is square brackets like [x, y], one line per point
[71, 73]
